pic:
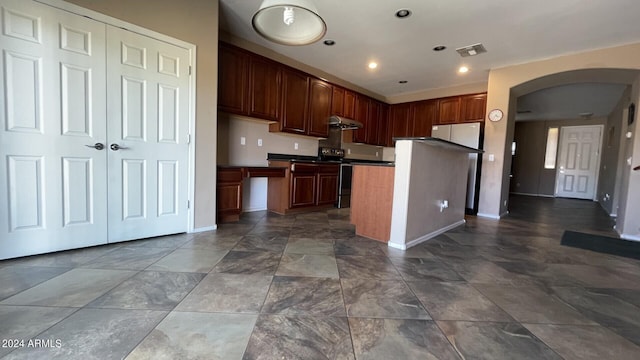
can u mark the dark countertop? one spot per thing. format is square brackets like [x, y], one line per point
[316, 160]
[384, 163]
[441, 143]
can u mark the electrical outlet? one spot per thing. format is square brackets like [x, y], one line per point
[492, 157]
[377, 153]
[295, 146]
[349, 151]
[259, 142]
[243, 140]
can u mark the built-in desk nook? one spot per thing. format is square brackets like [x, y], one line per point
[420, 197]
[229, 188]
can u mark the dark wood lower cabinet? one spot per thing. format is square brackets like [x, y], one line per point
[229, 194]
[303, 190]
[327, 188]
[305, 187]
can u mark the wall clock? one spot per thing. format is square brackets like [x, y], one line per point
[495, 115]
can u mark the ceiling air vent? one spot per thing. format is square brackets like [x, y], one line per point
[471, 50]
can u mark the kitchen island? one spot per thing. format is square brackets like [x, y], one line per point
[420, 197]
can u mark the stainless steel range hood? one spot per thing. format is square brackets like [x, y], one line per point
[344, 123]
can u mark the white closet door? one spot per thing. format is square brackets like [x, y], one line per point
[148, 112]
[53, 189]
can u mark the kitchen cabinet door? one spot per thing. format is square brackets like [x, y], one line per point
[423, 114]
[295, 87]
[264, 88]
[373, 122]
[303, 186]
[327, 184]
[337, 101]
[349, 107]
[320, 93]
[232, 79]
[473, 107]
[362, 115]
[229, 194]
[400, 120]
[449, 110]
[384, 137]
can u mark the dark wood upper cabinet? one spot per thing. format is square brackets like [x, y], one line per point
[349, 109]
[399, 117]
[423, 114]
[343, 102]
[232, 79]
[373, 123]
[294, 102]
[362, 115]
[337, 101]
[449, 110]
[320, 94]
[473, 107]
[384, 137]
[264, 88]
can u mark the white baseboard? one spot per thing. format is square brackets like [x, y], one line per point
[488, 216]
[203, 229]
[630, 237]
[425, 237]
[254, 209]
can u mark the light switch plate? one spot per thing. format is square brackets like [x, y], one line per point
[243, 140]
[259, 142]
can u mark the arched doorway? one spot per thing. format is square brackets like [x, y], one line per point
[614, 65]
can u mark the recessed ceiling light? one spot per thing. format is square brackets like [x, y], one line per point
[439, 48]
[373, 65]
[463, 69]
[329, 42]
[402, 82]
[403, 13]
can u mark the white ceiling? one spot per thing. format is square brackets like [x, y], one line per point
[512, 31]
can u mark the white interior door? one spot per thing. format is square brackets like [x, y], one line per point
[578, 161]
[52, 99]
[148, 112]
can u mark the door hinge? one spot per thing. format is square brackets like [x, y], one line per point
[188, 204]
[189, 139]
[189, 69]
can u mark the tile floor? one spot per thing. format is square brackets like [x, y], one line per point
[305, 287]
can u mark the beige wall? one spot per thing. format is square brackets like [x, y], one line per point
[611, 162]
[529, 175]
[231, 152]
[505, 83]
[628, 222]
[196, 22]
[425, 175]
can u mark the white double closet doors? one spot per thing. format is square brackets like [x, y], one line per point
[95, 132]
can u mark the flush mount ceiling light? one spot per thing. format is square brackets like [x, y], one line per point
[372, 65]
[463, 69]
[289, 22]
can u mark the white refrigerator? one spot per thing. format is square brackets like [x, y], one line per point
[468, 135]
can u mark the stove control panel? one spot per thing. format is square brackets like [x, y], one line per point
[326, 152]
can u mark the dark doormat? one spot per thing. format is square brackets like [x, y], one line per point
[603, 244]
